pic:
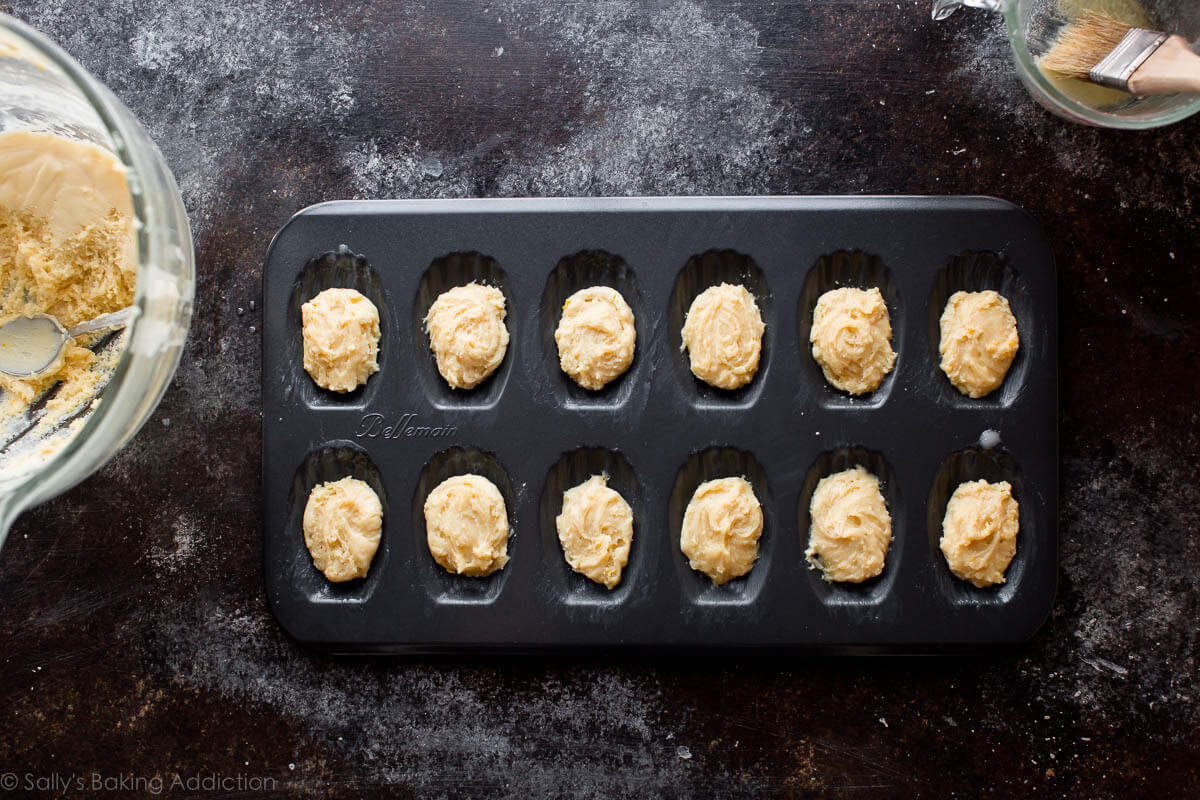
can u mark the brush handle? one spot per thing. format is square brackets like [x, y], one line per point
[1173, 69]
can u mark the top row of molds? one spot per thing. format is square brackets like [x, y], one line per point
[969, 271]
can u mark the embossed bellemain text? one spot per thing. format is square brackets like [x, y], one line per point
[376, 426]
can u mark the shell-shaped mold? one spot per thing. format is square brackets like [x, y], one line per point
[706, 465]
[573, 273]
[445, 273]
[701, 271]
[442, 586]
[971, 465]
[337, 269]
[334, 461]
[976, 271]
[869, 592]
[570, 470]
[837, 270]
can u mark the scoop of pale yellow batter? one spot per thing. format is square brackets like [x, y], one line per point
[341, 339]
[467, 333]
[851, 527]
[721, 529]
[68, 249]
[466, 525]
[979, 341]
[595, 530]
[979, 531]
[851, 339]
[343, 520]
[723, 334]
[596, 336]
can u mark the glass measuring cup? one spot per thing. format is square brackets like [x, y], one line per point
[43, 90]
[1032, 26]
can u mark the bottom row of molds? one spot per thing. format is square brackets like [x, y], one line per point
[341, 460]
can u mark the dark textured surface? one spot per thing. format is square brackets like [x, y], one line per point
[136, 637]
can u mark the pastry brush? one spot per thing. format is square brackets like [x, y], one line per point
[1112, 53]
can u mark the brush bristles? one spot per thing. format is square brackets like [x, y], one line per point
[1083, 44]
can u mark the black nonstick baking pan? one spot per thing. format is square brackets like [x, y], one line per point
[657, 431]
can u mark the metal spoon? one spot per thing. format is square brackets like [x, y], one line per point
[30, 345]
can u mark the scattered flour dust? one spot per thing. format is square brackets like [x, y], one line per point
[672, 91]
[190, 64]
[182, 549]
[1137, 611]
[433, 729]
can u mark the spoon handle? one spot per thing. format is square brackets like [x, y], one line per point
[115, 319]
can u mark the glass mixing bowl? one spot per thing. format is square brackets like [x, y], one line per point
[43, 90]
[1032, 26]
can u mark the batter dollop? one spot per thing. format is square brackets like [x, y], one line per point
[466, 526]
[595, 530]
[721, 529]
[851, 528]
[341, 339]
[723, 334]
[343, 521]
[979, 531]
[467, 333]
[979, 341]
[595, 336]
[851, 339]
